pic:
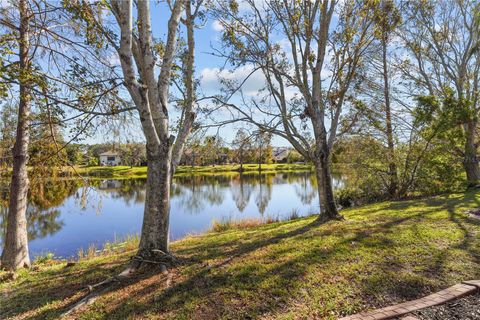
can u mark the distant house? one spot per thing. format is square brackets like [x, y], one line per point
[109, 158]
[110, 185]
[280, 155]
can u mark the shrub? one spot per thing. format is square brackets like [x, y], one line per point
[228, 223]
[45, 258]
[347, 197]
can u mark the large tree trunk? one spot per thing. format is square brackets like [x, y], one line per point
[15, 252]
[470, 162]
[392, 167]
[328, 207]
[157, 203]
[150, 95]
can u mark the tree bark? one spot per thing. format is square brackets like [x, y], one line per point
[15, 252]
[150, 96]
[392, 167]
[470, 162]
[328, 208]
[156, 215]
[188, 117]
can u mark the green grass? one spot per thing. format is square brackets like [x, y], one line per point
[141, 172]
[381, 254]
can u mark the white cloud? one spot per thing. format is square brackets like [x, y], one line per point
[217, 26]
[245, 5]
[211, 79]
[113, 59]
[6, 5]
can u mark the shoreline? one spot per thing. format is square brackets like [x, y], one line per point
[325, 270]
[127, 172]
[231, 169]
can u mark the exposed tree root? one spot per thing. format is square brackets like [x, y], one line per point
[132, 268]
[87, 300]
[324, 218]
[162, 259]
[91, 288]
[94, 293]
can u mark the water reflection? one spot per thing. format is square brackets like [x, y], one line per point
[195, 193]
[131, 191]
[306, 188]
[64, 215]
[241, 192]
[263, 193]
[43, 219]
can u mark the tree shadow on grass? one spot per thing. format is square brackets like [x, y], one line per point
[29, 298]
[249, 288]
[466, 226]
[241, 287]
[398, 278]
[241, 291]
[277, 267]
[252, 280]
[31, 295]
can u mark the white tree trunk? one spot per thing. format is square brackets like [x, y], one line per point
[150, 96]
[157, 203]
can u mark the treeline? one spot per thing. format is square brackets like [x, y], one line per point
[132, 154]
[209, 150]
[50, 150]
[246, 147]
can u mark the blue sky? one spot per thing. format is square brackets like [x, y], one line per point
[207, 65]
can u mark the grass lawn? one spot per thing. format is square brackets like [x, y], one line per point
[140, 172]
[382, 253]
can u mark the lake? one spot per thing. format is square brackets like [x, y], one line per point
[66, 215]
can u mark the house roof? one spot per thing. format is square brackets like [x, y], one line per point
[109, 153]
[280, 153]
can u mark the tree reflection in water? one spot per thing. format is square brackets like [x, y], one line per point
[194, 192]
[263, 192]
[241, 192]
[44, 196]
[206, 197]
[131, 190]
[306, 188]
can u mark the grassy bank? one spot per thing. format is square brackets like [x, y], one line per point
[140, 172]
[382, 253]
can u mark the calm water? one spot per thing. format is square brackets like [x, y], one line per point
[67, 215]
